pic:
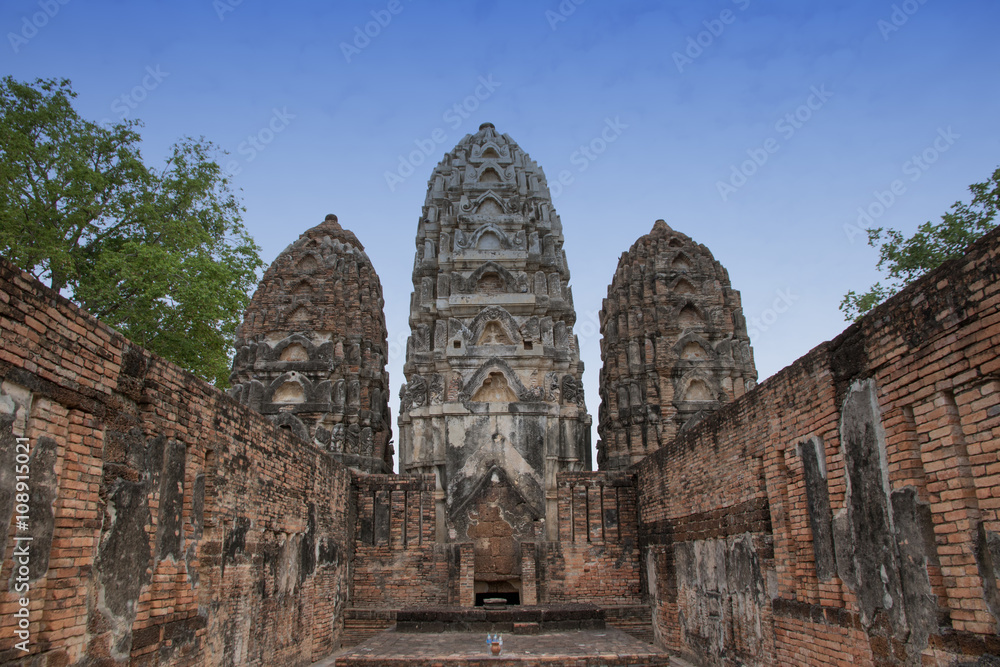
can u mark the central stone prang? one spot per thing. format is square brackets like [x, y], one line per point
[493, 403]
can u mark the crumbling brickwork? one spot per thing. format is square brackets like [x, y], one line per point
[674, 346]
[170, 525]
[845, 511]
[397, 561]
[596, 558]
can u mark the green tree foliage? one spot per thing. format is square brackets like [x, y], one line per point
[159, 254]
[903, 259]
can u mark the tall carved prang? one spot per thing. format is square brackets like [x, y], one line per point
[493, 404]
[674, 346]
[311, 351]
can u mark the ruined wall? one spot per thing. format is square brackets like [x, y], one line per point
[844, 512]
[397, 562]
[170, 525]
[596, 559]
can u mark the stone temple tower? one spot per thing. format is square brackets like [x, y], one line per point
[493, 403]
[310, 353]
[674, 346]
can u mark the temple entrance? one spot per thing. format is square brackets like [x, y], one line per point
[509, 590]
[496, 519]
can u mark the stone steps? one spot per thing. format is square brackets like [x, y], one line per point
[526, 620]
[361, 624]
[636, 620]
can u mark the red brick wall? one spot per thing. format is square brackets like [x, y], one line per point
[184, 528]
[596, 559]
[754, 554]
[396, 560]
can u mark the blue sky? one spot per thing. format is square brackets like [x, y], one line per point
[757, 128]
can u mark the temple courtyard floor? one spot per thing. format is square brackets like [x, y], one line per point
[607, 647]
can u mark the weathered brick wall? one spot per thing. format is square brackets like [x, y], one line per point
[397, 562]
[844, 512]
[704, 528]
[596, 559]
[170, 525]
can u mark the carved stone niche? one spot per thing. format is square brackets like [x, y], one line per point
[495, 389]
[490, 283]
[289, 392]
[435, 389]
[494, 334]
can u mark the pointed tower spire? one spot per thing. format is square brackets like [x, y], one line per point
[493, 401]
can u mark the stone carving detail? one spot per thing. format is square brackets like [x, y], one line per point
[572, 390]
[661, 322]
[511, 381]
[494, 326]
[417, 391]
[404, 398]
[493, 334]
[553, 392]
[312, 344]
[435, 389]
[477, 205]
